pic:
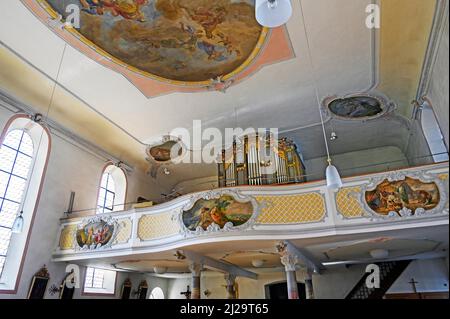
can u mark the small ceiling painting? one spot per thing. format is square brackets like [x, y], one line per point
[220, 211]
[397, 195]
[356, 107]
[165, 46]
[168, 151]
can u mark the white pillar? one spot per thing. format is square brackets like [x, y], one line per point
[196, 270]
[309, 285]
[290, 261]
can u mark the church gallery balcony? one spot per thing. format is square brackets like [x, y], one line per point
[408, 198]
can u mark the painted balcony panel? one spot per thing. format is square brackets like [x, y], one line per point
[407, 198]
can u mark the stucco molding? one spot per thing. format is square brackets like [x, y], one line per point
[440, 16]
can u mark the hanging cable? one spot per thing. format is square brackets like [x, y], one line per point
[19, 221]
[334, 181]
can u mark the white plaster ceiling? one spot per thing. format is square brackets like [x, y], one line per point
[346, 57]
[420, 243]
[342, 53]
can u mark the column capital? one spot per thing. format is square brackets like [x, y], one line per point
[281, 247]
[289, 261]
[195, 269]
[230, 279]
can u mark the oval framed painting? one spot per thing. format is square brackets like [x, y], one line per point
[357, 107]
[169, 149]
[182, 42]
[221, 211]
[96, 233]
[393, 197]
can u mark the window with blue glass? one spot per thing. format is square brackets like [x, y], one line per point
[16, 157]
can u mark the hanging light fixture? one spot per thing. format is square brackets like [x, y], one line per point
[17, 227]
[273, 13]
[334, 181]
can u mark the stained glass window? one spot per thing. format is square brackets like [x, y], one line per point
[16, 156]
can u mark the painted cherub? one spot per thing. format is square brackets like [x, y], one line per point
[92, 6]
[218, 217]
[209, 19]
[205, 218]
[128, 9]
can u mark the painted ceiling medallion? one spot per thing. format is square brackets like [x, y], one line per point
[168, 150]
[202, 44]
[356, 107]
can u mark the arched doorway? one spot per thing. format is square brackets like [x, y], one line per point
[278, 290]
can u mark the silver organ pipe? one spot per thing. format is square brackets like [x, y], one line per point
[253, 162]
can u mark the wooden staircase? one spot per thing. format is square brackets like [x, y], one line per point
[389, 272]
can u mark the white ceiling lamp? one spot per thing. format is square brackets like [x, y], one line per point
[273, 13]
[257, 263]
[334, 181]
[17, 227]
[160, 270]
[379, 253]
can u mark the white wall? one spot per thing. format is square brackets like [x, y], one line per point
[357, 163]
[197, 185]
[336, 282]
[438, 93]
[153, 282]
[70, 168]
[417, 151]
[431, 276]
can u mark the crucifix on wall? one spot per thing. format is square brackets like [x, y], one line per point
[413, 284]
[187, 293]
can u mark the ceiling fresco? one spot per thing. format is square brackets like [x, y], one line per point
[194, 45]
[356, 107]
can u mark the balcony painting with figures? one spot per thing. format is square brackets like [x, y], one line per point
[408, 193]
[95, 234]
[220, 211]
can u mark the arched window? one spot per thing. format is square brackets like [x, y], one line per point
[433, 134]
[112, 190]
[16, 156]
[24, 149]
[156, 293]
